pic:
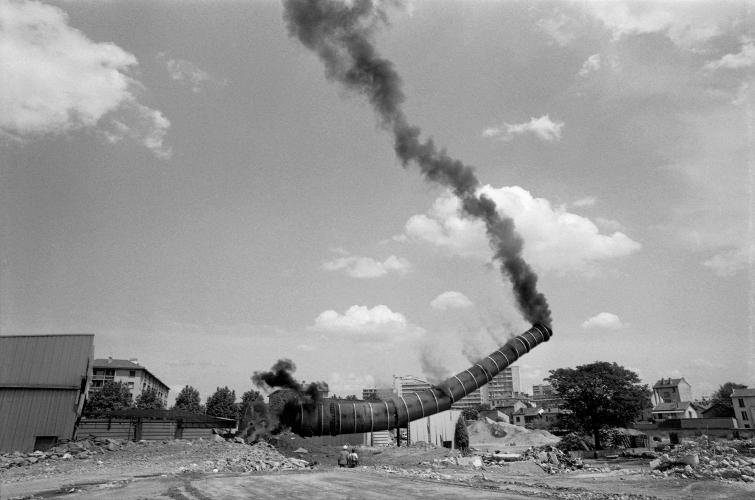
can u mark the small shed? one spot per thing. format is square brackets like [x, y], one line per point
[718, 410]
[43, 385]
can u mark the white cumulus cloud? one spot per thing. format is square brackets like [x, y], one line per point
[555, 239]
[367, 267]
[188, 73]
[559, 27]
[688, 25]
[543, 128]
[54, 79]
[605, 320]
[591, 65]
[362, 323]
[742, 59]
[731, 262]
[451, 300]
[587, 201]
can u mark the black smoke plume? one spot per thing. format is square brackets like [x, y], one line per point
[341, 35]
[295, 394]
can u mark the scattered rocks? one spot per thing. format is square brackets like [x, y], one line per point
[552, 460]
[704, 458]
[256, 458]
[81, 450]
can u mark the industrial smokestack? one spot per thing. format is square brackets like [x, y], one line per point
[340, 34]
[318, 418]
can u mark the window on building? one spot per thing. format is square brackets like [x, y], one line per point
[132, 373]
[741, 402]
[745, 416]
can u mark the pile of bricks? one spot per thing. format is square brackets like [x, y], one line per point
[704, 458]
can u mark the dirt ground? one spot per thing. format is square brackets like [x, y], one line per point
[182, 470]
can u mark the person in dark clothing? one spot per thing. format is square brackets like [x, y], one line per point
[353, 458]
[343, 456]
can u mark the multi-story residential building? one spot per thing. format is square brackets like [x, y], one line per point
[408, 383]
[672, 398]
[504, 386]
[473, 400]
[544, 396]
[671, 390]
[743, 401]
[542, 391]
[135, 376]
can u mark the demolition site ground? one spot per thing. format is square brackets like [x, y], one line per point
[296, 468]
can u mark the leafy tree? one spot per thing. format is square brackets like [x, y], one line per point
[472, 413]
[599, 394]
[111, 397]
[149, 400]
[461, 435]
[188, 400]
[249, 397]
[723, 394]
[222, 403]
[247, 402]
[351, 397]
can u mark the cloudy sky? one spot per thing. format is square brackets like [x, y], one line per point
[180, 178]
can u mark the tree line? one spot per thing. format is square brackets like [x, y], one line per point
[114, 396]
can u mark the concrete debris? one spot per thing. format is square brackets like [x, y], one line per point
[237, 458]
[260, 457]
[419, 473]
[704, 458]
[552, 460]
[81, 450]
[488, 432]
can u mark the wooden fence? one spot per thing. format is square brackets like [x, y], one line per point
[135, 429]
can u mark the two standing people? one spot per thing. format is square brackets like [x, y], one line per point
[348, 459]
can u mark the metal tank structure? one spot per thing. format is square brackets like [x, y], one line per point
[333, 418]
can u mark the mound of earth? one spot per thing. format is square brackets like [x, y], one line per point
[487, 433]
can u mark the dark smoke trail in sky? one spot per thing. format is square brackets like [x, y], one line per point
[340, 33]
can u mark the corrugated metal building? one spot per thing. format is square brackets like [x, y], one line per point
[43, 384]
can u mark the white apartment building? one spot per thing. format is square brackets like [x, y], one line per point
[407, 384]
[136, 377]
[504, 386]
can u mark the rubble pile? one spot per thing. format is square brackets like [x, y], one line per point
[549, 458]
[418, 473]
[552, 460]
[80, 450]
[704, 458]
[260, 457]
[489, 432]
